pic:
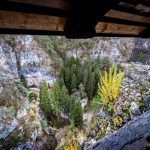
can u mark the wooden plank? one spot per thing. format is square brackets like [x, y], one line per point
[61, 4]
[113, 28]
[127, 16]
[30, 32]
[34, 9]
[17, 20]
[122, 21]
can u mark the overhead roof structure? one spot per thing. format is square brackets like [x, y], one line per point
[76, 18]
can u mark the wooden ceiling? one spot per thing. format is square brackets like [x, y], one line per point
[76, 18]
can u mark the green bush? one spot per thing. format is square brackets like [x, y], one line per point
[23, 90]
[24, 81]
[96, 103]
[33, 96]
[10, 111]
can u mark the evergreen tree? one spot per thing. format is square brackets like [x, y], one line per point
[67, 79]
[79, 75]
[44, 97]
[90, 86]
[64, 99]
[56, 95]
[73, 82]
[61, 81]
[85, 77]
[77, 114]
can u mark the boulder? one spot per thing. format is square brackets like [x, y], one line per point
[135, 108]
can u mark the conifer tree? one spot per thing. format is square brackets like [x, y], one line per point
[64, 103]
[44, 97]
[73, 82]
[90, 86]
[77, 114]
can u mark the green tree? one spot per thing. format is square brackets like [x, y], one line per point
[64, 99]
[61, 81]
[73, 82]
[67, 78]
[90, 86]
[56, 95]
[85, 77]
[77, 114]
[44, 98]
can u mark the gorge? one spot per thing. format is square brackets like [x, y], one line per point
[49, 93]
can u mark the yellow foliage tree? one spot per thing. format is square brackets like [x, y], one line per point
[109, 85]
[71, 145]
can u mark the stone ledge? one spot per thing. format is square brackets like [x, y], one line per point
[131, 132]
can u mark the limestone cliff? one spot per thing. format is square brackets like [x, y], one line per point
[21, 54]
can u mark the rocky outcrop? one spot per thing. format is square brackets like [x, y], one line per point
[133, 101]
[138, 72]
[117, 49]
[27, 57]
[22, 123]
[131, 132]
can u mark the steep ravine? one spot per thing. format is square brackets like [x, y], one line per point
[22, 123]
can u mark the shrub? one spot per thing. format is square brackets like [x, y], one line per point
[117, 121]
[24, 81]
[71, 145]
[22, 89]
[11, 111]
[33, 96]
[109, 86]
[96, 103]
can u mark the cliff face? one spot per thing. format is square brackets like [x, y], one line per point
[21, 120]
[23, 55]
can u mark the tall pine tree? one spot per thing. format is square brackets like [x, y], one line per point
[77, 114]
[44, 98]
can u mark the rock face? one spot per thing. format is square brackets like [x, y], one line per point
[133, 101]
[22, 124]
[116, 48]
[24, 56]
[139, 73]
[132, 131]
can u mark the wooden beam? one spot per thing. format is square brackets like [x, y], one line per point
[30, 32]
[60, 4]
[85, 15]
[18, 20]
[112, 28]
[30, 8]
[115, 35]
[123, 21]
[127, 16]
[145, 33]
